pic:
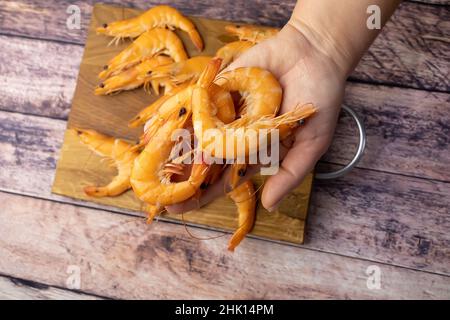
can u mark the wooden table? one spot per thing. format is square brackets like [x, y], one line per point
[390, 214]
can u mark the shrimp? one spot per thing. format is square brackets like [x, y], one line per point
[263, 96]
[119, 151]
[156, 17]
[179, 72]
[251, 33]
[231, 51]
[132, 77]
[245, 200]
[222, 104]
[146, 175]
[145, 114]
[153, 42]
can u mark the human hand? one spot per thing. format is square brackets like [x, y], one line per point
[307, 74]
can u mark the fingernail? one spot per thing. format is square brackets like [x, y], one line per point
[274, 207]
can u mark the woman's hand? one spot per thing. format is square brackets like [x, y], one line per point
[307, 74]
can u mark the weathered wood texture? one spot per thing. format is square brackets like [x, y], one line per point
[120, 257]
[407, 130]
[38, 77]
[400, 56]
[19, 289]
[386, 218]
[396, 219]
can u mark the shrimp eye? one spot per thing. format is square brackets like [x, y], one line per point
[105, 25]
[238, 26]
[101, 85]
[301, 122]
[149, 72]
[242, 172]
[203, 186]
[105, 67]
[182, 112]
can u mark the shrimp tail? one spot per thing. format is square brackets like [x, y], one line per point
[209, 74]
[195, 37]
[152, 211]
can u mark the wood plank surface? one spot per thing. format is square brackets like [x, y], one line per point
[397, 219]
[380, 217]
[120, 257]
[407, 131]
[41, 77]
[19, 289]
[402, 55]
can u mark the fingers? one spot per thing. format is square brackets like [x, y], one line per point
[299, 161]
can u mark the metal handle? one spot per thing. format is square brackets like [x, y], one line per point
[359, 152]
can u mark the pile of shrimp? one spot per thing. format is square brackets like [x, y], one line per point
[197, 92]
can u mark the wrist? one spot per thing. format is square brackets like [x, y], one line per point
[323, 47]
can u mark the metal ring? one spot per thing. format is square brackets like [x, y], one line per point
[359, 152]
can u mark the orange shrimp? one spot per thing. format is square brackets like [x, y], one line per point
[153, 42]
[221, 100]
[132, 77]
[245, 200]
[119, 151]
[251, 33]
[262, 103]
[179, 72]
[156, 17]
[146, 175]
[145, 114]
[231, 51]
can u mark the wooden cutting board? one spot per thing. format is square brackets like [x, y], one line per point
[78, 167]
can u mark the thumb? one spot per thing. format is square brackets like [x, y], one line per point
[298, 162]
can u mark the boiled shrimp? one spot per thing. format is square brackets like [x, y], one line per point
[156, 17]
[262, 94]
[131, 78]
[251, 33]
[146, 176]
[178, 72]
[153, 42]
[245, 200]
[145, 114]
[115, 149]
[231, 51]
[154, 115]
